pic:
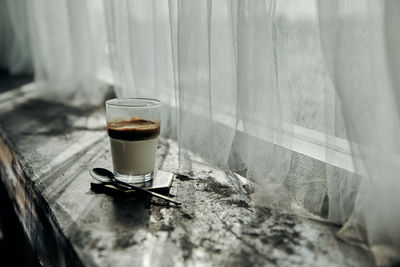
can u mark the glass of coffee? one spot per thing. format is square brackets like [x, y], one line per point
[133, 125]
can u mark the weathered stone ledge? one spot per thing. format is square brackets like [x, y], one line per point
[44, 166]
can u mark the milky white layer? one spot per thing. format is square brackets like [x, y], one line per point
[133, 157]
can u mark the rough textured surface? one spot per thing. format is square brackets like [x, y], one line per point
[44, 166]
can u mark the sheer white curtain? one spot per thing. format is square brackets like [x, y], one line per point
[15, 51]
[256, 92]
[68, 43]
[361, 44]
[299, 96]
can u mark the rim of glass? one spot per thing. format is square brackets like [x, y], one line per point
[142, 102]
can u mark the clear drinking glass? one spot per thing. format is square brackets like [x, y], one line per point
[133, 125]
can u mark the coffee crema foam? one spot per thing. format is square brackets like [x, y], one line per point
[133, 130]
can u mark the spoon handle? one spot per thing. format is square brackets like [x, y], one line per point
[129, 186]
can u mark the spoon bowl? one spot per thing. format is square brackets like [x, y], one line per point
[102, 175]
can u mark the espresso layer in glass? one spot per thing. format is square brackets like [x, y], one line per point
[133, 130]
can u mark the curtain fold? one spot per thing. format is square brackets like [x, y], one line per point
[15, 50]
[68, 41]
[360, 44]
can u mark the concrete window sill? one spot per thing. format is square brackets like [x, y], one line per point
[46, 152]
